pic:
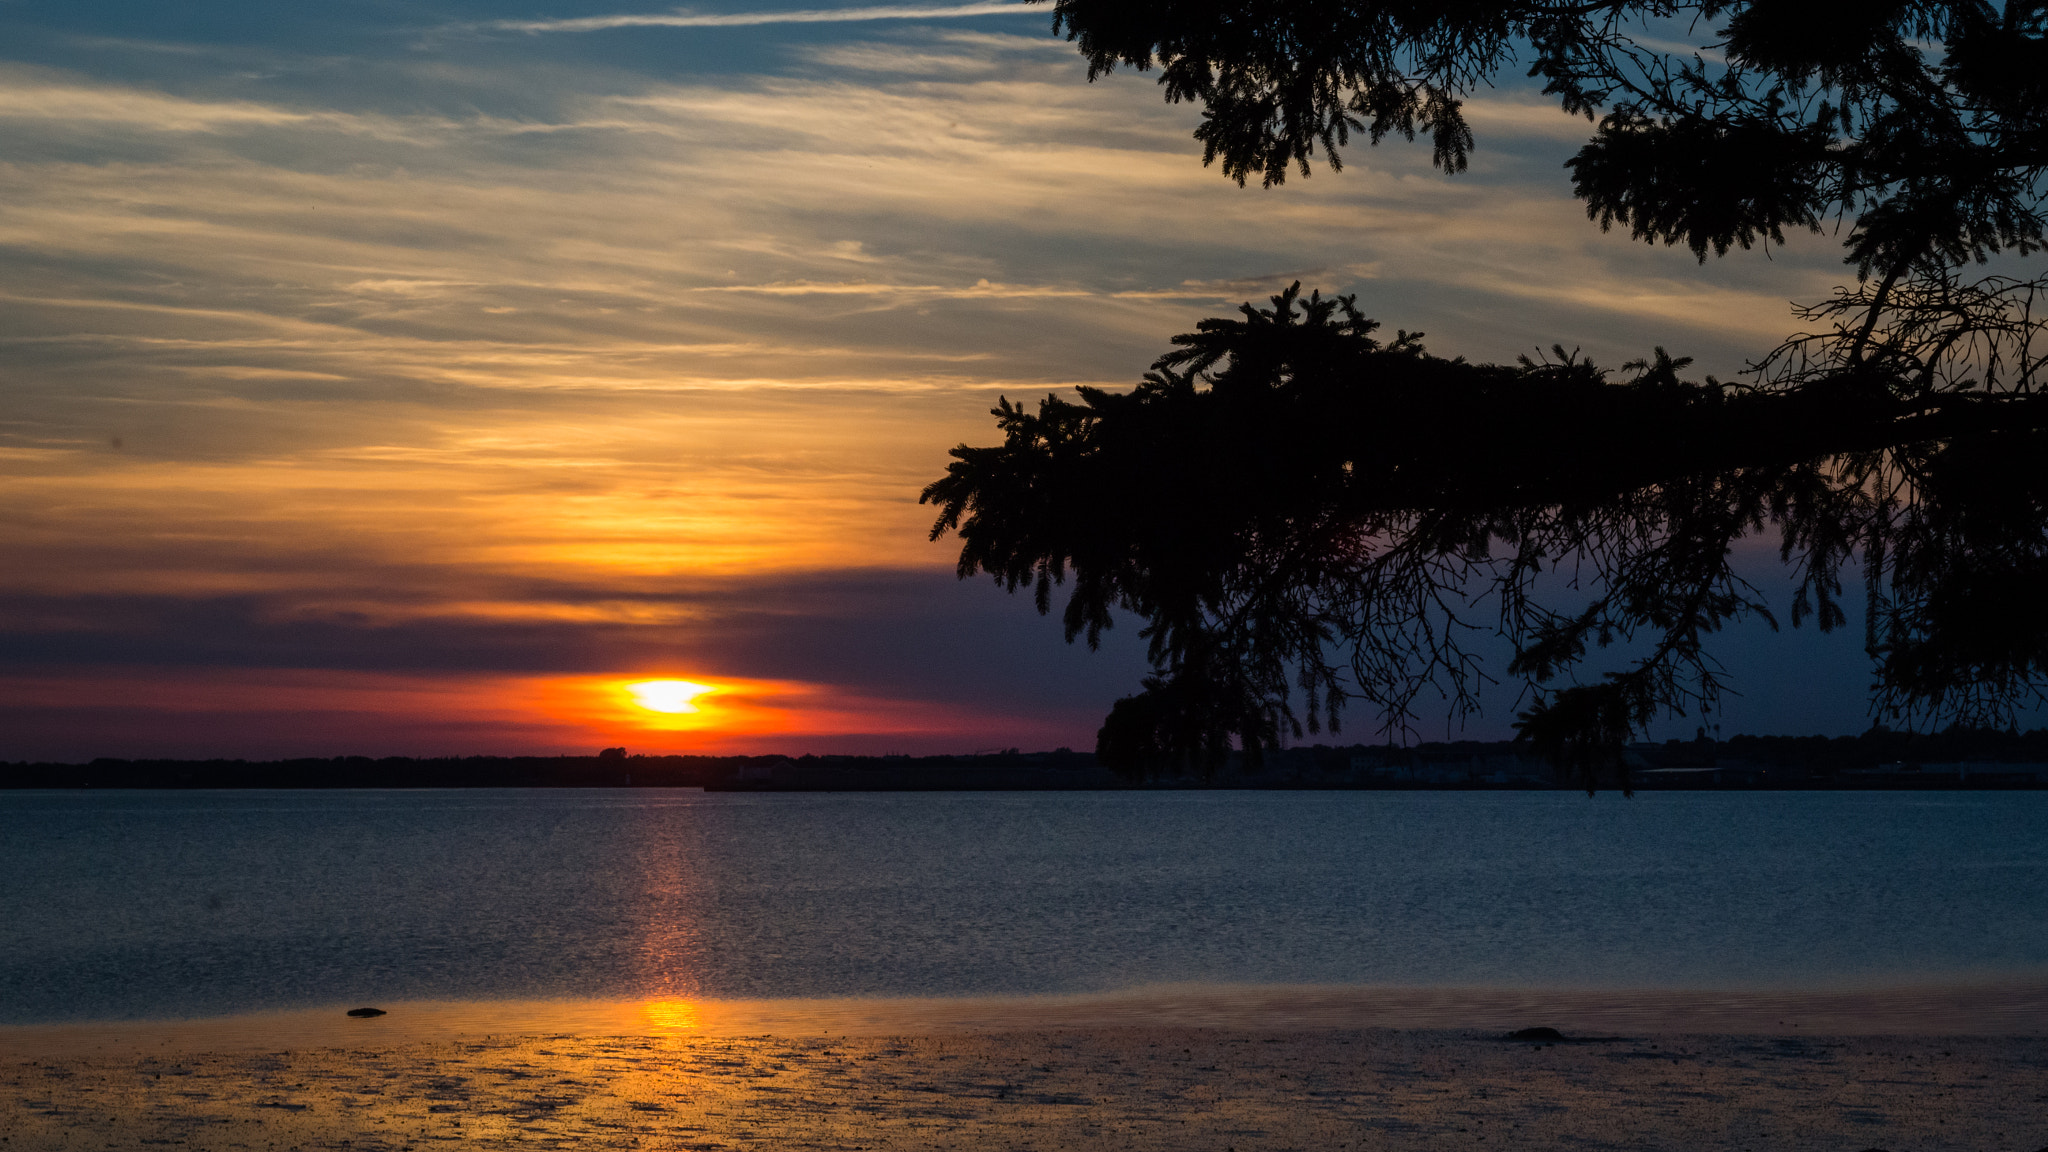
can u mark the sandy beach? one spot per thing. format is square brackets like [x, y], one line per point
[686, 1078]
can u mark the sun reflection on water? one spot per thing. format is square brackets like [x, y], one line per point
[669, 1015]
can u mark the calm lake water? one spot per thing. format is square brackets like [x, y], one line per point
[154, 904]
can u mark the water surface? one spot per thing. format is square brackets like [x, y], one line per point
[154, 904]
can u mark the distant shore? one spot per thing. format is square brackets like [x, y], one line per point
[1068, 1074]
[1878, 760]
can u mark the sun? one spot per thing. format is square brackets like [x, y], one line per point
[671, 696]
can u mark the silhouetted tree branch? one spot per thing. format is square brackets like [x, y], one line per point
[1307, 516]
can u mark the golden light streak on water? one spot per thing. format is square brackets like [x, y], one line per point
[669, 1015]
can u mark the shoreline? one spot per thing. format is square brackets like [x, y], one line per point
[1101, 1089]
[2015, 1006]
[1952, 1067]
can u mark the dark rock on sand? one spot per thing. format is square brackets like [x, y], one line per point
[1535, 1034]
[366, 1011]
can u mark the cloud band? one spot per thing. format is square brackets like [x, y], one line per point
[682, 19]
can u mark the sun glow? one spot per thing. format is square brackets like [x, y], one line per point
[669, 1015]
[670, 696]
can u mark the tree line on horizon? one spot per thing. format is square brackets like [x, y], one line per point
[1821, 755]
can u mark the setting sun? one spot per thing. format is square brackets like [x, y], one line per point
[672, 696]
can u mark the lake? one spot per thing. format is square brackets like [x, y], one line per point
[131, 905]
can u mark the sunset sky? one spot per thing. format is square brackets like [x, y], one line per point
[412, 378]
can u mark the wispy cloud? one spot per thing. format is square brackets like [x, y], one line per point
[683, 18]
[34, 95]
[980, 288]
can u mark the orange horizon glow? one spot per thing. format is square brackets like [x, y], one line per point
[283, 713]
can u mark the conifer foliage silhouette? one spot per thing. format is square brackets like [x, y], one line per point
[1306, 515]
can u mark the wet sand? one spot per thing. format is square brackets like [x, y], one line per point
[1087, 1073]
[1154, 1088]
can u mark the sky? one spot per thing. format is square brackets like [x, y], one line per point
[413, 379]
